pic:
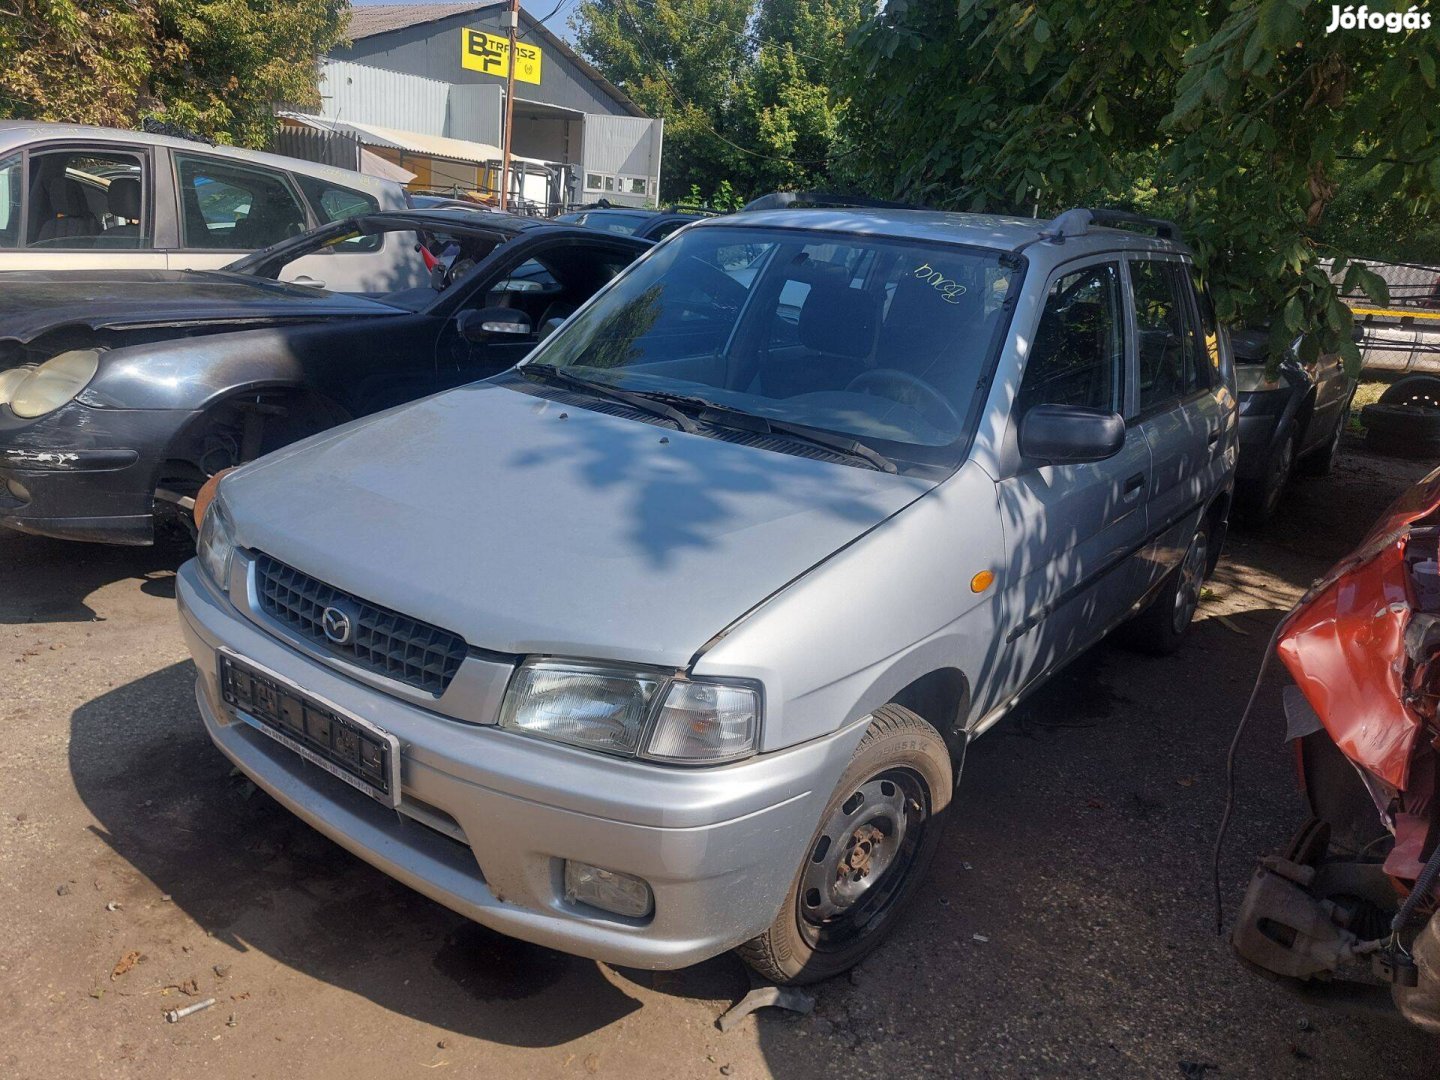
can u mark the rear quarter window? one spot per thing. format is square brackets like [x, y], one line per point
[334, 203]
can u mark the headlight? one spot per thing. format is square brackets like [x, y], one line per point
[12, 378]
[629, 711]
[53, 383]
[216, 546]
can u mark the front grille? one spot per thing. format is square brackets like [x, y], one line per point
[384, 641]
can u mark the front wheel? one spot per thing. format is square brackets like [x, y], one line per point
[875, 842]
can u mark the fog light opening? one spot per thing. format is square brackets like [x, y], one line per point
[608, 890]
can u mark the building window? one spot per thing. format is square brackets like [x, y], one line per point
[609, 183]
[635, 185]
[593, 181]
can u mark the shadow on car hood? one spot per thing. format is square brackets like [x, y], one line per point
[528, 526]
[33, 302]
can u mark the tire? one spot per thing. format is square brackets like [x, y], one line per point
[1257, 500]
[1160, 628]
[1322, 462]
[1421, 390]
[1402, 430]
[901, 771]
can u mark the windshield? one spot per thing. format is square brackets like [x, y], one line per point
[880, 339]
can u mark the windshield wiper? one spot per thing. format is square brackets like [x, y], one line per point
[728, 416]
[641, 402]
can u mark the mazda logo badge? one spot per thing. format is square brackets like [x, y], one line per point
[339, 627]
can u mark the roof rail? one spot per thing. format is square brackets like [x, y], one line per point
[1077, 222]
[785, 200]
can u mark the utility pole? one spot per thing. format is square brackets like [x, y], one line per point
[512, 17]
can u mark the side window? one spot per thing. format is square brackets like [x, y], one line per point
[1079, 347]
[1167, 345]
[87, 199]
[227, 206]
[332, 203]
[11, 189]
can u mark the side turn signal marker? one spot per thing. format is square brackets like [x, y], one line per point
[982, 581]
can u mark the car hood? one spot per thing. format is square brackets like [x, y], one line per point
[33, 302]
[528, 526]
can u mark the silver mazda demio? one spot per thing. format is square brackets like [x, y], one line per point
[671, 639]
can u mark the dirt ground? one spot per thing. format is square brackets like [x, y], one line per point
[1066, 930]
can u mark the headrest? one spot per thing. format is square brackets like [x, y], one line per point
[67, 197]
[839, 320]
[123, 198]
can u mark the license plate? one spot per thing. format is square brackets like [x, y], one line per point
[356, 751]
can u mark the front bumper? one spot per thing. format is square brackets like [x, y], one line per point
[719, 847]
[84, 474]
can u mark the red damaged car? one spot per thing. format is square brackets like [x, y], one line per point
[1356, 895]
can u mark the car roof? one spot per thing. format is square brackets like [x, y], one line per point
[17, 133]
[979, 230]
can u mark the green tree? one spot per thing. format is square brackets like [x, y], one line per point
[1242, 119]
[217, 67]
[684, 60]
[793, 115]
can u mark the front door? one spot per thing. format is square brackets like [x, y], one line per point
[1072, 530]
[545, 281]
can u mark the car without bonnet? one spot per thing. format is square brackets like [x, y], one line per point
[121, 392]
[671, 639]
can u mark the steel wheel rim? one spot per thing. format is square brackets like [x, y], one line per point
[1192, 580]
[861, 859]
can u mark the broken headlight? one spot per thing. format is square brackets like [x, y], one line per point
[45, 388]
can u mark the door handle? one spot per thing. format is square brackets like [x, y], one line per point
[1133, 486]
[308, 281]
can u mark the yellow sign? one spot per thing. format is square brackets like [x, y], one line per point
[490, 53]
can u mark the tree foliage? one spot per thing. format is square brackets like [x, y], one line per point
[1244, 120]
[744, 86]
[217, 67]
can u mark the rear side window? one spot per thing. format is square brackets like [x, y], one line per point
[1079, 345]
[226, 206]
[332, 203]
[1172, 363]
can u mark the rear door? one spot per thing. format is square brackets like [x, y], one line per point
[1073, 530]
[1179, 408]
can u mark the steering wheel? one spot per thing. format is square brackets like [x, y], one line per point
[894, 377]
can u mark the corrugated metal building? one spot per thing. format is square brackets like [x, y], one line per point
[422, 86]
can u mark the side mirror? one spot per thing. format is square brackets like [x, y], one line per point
[491, 324]
[1068, 434]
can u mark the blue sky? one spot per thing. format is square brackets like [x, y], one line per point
[538, 8]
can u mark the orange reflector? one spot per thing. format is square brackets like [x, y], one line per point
[206, 496]
[982, 581]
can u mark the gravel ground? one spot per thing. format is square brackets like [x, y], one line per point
[1066, 930]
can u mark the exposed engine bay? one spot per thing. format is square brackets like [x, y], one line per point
[1354, 898]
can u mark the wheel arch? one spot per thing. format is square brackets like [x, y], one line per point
[941, 698]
